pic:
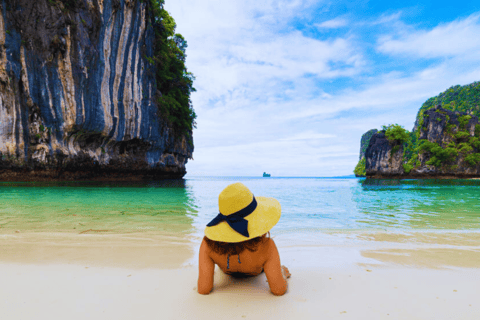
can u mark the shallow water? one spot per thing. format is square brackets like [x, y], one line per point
[102, 207]
[310, 206]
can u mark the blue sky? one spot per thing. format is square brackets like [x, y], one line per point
[289, 87]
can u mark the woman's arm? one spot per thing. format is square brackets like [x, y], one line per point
[206, 268]
[273, 270]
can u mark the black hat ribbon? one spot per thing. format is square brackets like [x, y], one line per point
[236, 220]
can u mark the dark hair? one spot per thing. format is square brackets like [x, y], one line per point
[222, 248]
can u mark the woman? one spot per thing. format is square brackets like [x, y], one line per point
[236, 240]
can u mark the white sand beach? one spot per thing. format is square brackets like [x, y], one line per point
[71, 276]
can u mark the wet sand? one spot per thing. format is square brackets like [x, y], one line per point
[363, 275]
[134, 250]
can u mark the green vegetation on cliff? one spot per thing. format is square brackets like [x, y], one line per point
[173, 80]
[360, 168]
[438, 155]
[396, 134]
[457, 98]
[461, 145]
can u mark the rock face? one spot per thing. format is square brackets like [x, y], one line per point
[77, 93]
[454, 131]
[379, 161]
[365, 141]
[359, 170]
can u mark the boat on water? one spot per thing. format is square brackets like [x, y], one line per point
[266, 175]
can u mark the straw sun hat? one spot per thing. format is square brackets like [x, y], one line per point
[242, 216]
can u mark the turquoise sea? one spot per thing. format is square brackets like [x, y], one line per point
[310, 206]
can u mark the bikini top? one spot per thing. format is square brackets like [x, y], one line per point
[238, 274]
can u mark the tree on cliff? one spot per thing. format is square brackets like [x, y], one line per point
[359, 170]
[173, 80]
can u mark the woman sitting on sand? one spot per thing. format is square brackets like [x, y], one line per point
[243, 223]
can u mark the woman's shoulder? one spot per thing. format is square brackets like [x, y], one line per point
[267, 246]
[269, 242]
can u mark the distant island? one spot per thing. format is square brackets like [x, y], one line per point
[266, 175]
[444, 142]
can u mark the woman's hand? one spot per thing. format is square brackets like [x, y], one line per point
[286, 274]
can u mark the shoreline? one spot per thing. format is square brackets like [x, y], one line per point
[435, 249]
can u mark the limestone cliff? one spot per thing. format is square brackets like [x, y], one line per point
[445, 145]
[364, 142]
[77, 93]
[379, 160]
[359, 170]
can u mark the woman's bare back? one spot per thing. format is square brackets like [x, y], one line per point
[265, 258]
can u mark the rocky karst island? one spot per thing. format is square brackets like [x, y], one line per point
[92, 90]
[444, 143]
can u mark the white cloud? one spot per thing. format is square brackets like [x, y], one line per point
[264, 68]
[260, 101]
[300, 137]
[332, 24]
[242, 48]
[457, 38]
[388, 18]
[307, 135]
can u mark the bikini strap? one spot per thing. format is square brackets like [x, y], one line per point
[228, 260]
